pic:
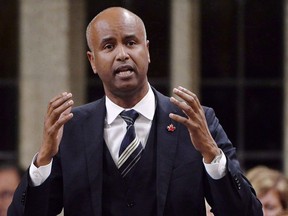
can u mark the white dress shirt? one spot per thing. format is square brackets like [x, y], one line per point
[115, 126]
[114, 131]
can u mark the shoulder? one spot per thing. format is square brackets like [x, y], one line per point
[89, 109]
[209, 112]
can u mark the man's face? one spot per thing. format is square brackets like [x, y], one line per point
[120, 54]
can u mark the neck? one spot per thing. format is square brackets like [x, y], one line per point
[129, 99]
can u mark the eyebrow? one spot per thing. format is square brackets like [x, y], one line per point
[107, 39]
[111, 39]
[131, 36]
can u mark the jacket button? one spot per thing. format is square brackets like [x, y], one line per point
[130, 204]
[23, 198]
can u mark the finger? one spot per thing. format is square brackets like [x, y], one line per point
[63, 109]
[63, 119]
[55, 99]
[190, 93]
[181, 104]
[58, 101]
[189, 97]
[185, 95]
[53, 127]
[188, 110]
[58, 96]
[57, 105]
[185, 90]
[179, 119]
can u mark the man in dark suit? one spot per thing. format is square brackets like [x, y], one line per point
[181, 155]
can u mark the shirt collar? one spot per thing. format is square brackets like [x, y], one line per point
[143, 107]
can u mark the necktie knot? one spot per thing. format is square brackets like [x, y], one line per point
[129, 116]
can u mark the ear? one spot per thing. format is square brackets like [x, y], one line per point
[91, 58]
[147, 45]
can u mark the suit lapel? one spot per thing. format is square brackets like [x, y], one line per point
[93, 135]
[166, 142]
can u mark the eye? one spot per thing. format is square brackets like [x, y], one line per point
[108, 46]
[270, 207]
[131, 43]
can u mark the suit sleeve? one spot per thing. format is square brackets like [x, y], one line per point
[232, 194]
[44, 200]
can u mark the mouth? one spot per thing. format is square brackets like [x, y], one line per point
[124, 71]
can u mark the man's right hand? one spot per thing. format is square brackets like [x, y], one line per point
[58, 113]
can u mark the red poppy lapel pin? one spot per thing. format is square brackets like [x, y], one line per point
[171, 128]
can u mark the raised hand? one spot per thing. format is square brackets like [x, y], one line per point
[58, 113]
[195, 122]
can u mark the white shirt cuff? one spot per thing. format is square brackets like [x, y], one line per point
[40, 174]
[217, 169]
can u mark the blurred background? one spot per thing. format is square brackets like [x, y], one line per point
[231, 53]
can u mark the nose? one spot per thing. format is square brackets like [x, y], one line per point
[122, 54]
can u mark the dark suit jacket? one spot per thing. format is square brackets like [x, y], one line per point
[182, 181]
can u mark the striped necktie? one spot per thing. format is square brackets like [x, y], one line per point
[131, 147]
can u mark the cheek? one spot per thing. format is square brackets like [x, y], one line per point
[103, 63]
[142, 60]
[271, 204]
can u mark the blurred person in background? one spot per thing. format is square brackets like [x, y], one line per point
[10, 175]
[271, 188]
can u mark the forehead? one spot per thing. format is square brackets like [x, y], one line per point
[117, 24]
